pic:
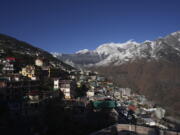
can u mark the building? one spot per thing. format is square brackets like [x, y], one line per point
[30, 71]
[128, 129]
[13, 90]
[90, 93]
[11, 59]
[3, 85]
[68, 88]
[33, 96]
[56, 84]
[8, 68]
[8, 65]
[117, 94]
[101, 79]
[39, 62]
[125, 92]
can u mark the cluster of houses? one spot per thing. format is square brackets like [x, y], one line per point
[8, 65]
[99, 88]
[29, 84]
[24, 85]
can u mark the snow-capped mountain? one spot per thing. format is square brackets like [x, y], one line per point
[167, 48]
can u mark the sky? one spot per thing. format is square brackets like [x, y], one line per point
[67, 26]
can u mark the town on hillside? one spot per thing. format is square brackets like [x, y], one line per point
[46, 99]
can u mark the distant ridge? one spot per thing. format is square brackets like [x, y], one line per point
[166, 48]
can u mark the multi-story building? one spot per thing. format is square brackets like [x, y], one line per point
[90, 93]
[30, 72]
[8, 65]
[8, 68]
[56, 84]
[68, 88]
[39, 62]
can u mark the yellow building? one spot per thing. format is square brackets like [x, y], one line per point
[29, 71]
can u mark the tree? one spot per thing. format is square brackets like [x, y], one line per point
[1, 67]
[81, 91]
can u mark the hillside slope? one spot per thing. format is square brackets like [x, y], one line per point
[26, 53]
[159, 81]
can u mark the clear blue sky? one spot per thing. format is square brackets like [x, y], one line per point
[71, 25]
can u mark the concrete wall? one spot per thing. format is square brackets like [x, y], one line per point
[126, 129]
[142, 130]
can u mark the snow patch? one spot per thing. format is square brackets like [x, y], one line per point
[111, 48]
[147, 41]
[82, 51]
[55, 54]
[175, 33]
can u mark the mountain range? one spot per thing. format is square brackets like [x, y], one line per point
[166, 48]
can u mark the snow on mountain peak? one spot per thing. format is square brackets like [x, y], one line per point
[119, 53]
[111, 48]
[131, 41]
[107, 48]
[82, 51]
[175, 33]
[55, 54]
[147, 41]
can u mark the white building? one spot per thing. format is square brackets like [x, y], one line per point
[8, 68]
[56, 84]
[149, 121]
[39, 62]
[125, 92]
[90, 93]
[68, 88]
